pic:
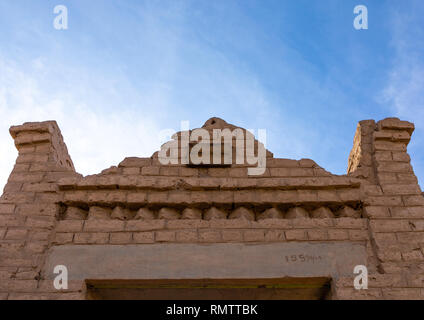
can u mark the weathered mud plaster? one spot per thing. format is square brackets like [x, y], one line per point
[207, 261]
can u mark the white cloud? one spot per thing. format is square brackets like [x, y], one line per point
[95, 140]
[404, 92]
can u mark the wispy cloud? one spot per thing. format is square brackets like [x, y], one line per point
[95, 139]
[404, 91]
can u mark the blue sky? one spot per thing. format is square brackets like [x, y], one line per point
[125, 70]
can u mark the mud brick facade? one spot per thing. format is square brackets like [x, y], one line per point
[124, 223]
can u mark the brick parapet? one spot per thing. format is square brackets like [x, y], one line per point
[29, 208]
[379, 204]
[394, 206]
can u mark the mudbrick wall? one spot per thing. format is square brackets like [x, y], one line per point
[378, 204]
